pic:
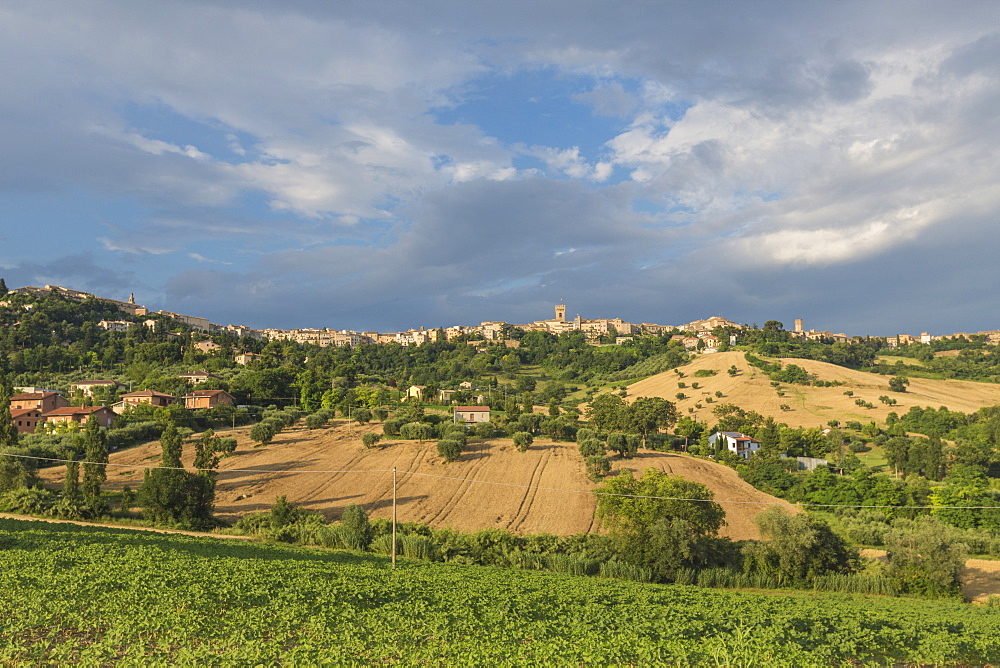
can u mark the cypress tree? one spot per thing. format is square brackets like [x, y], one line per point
[8, 431]
[94, 469]
[71, 487]
[162, 492]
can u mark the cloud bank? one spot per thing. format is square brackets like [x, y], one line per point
[384, 166]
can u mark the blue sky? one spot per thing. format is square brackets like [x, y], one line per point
[389, 165]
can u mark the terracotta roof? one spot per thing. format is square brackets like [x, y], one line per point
[18, 412]
[74, 410]
[204, 393]
[28, 396]
[146, 393]
[474, 409]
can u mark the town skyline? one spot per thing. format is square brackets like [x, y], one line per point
[491, 329]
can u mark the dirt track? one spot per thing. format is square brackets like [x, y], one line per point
[493, 485]
[808, 406]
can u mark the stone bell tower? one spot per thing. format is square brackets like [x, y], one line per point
[560, 313]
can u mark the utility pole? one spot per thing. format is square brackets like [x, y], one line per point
[393, 516]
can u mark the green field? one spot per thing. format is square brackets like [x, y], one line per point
[94, 596]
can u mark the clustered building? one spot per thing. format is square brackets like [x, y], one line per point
[696, 335]
[33, 406]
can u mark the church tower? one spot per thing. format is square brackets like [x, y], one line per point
[560, 313]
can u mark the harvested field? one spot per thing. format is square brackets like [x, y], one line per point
[327, 469]
[808, 406]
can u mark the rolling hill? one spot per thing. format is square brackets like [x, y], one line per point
[808, 406]
[493, 485]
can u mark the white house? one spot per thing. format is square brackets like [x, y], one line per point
[471, 414]
[735, 442]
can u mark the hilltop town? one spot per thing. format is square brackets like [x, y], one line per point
[698, 335]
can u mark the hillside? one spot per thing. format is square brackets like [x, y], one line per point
[809, 406]
[434, 493]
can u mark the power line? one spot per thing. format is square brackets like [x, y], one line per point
[509, 484]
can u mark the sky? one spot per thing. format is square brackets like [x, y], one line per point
[386, 165]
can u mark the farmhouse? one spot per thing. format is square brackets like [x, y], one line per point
[43, 401]
[246, 358]
[80, 414]
[472, 414]
[735, 442]
[207, 399]
[147, 397]
[26, 419]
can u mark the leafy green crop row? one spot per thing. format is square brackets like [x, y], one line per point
[80, 594]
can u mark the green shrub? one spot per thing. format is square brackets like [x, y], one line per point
[356, 530]
[418, 431]
[523, 440]
[370, 440]
[315, 421]
[598, 466]
[391, 427]
[449, 450]
[591, 447]
[485, 430]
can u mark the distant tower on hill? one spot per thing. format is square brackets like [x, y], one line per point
[131, 298]
[560, 313]
[798, 324]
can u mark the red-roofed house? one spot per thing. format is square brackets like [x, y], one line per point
[470, 414]
[26, 419]
[737, 443]
[207, 399]
[80, 414]
[43, 401]
[147, 397]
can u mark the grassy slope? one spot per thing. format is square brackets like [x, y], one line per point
[89, 595]
[809, 406]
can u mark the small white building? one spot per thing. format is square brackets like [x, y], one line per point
[472, 414]
[735, 442]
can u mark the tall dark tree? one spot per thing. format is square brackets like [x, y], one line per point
[8, 430]
[769, 436]
[206, 459]
[95, 466]
[71, 486]
[162, 493]
[3, 287]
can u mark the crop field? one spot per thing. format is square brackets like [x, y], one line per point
[491, 486]
[71, 594]
[806, 406]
